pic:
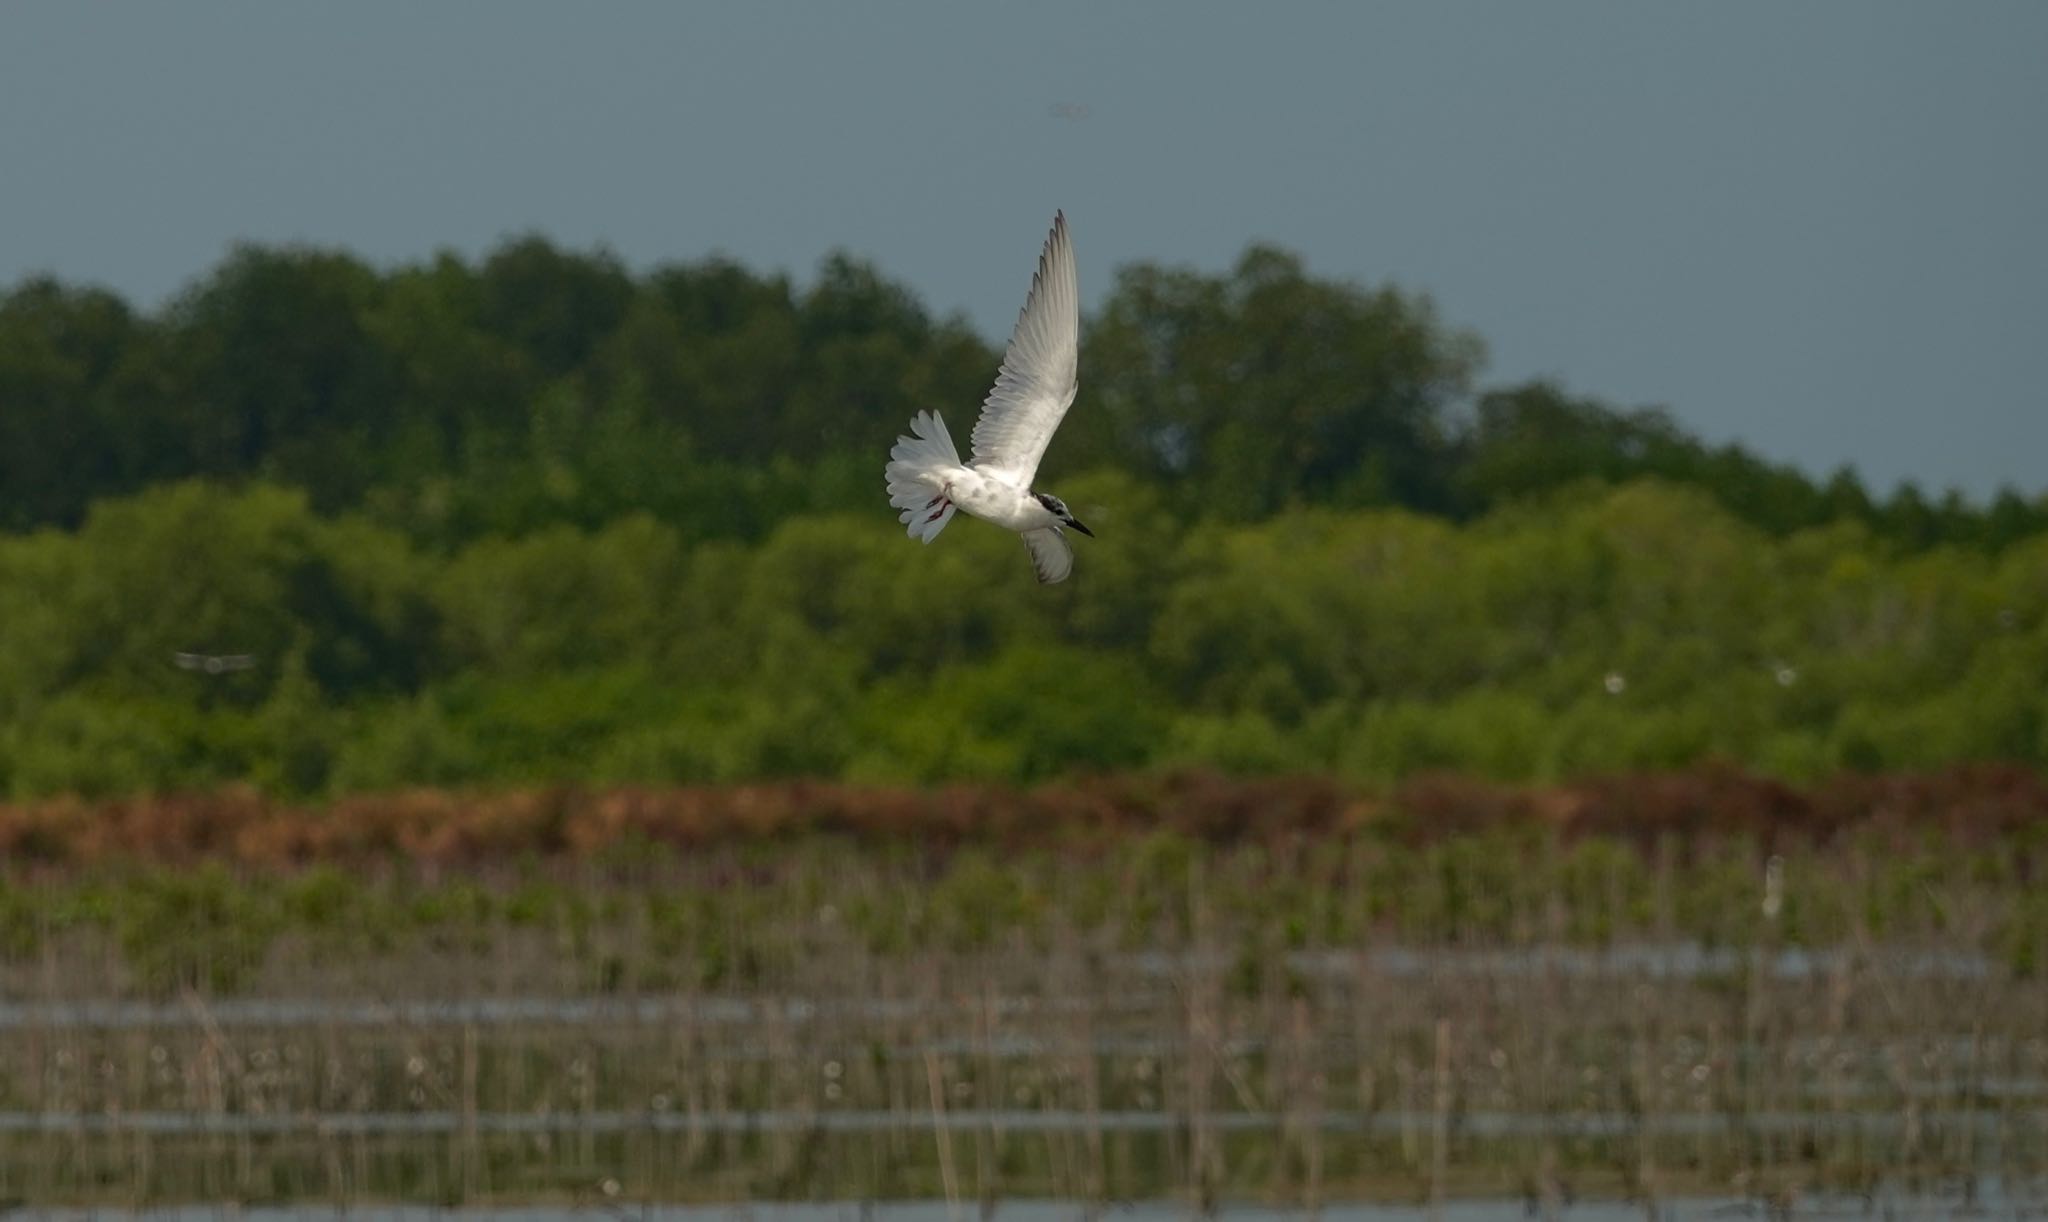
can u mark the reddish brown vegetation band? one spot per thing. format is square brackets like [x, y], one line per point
[240, 826]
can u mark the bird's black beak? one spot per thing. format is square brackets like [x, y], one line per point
[1077, 526]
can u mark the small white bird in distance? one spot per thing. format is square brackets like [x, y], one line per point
[215, 663]
[1033, 390]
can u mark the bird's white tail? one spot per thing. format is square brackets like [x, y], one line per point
[918, 469]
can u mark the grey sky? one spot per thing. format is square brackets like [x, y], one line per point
[1819, 228]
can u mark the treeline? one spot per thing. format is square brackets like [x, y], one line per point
[540, 519]
[1642, 627]
[455, 401]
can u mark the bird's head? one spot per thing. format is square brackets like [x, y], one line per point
[1058, 509]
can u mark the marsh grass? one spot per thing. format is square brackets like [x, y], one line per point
[1300, 1018]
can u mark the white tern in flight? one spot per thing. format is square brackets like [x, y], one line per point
[1033, 390]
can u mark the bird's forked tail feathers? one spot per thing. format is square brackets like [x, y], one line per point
[918, 469]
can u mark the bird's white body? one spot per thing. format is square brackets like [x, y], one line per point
[995, 499]
[927, 479]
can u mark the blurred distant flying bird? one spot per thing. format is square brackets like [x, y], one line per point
[214, 663]
[1033, 390]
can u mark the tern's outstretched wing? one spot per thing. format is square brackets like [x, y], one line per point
[1040, 369]
[1050, 554]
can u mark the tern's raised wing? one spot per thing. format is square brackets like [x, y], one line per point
[1040, 369]
[1050, 554]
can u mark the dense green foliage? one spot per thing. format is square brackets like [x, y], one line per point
[541, 387]
[542, 518]
[1374, 644]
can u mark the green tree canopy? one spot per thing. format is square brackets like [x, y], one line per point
[546, 387]
[1593, 629]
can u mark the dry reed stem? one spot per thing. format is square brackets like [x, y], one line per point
[942, 1132]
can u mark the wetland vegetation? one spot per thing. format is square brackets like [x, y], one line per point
[798, 992]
